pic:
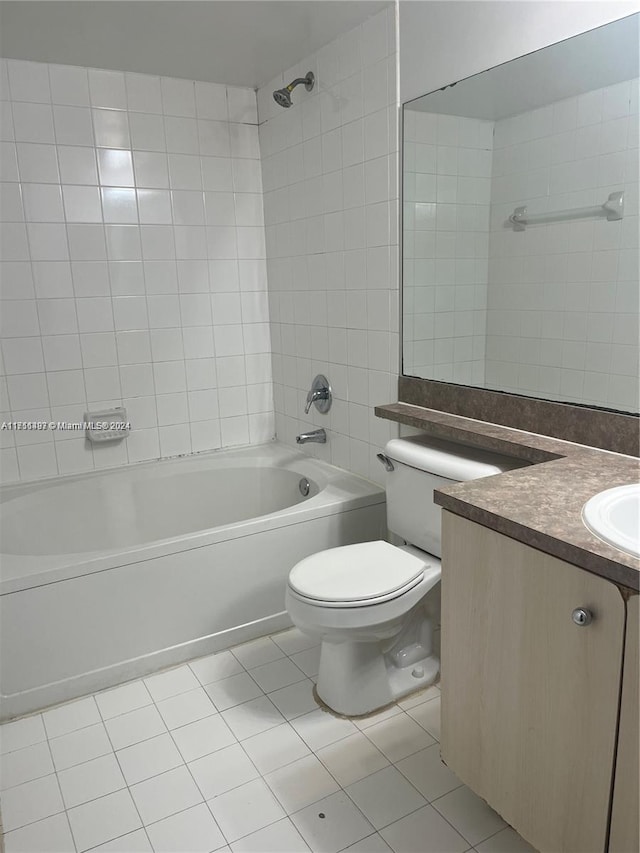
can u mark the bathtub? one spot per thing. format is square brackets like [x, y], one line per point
[111, 575]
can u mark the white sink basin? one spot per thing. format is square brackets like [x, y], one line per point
[614, 515]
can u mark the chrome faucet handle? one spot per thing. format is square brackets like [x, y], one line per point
[313, 396]
[319, 395]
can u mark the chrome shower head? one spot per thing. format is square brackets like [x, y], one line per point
[282, 97]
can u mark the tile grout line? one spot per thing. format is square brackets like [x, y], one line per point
[260, 776]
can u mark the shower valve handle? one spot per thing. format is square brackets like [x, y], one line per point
[319, 395]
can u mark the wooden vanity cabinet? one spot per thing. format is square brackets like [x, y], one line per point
[625, 817]
[530, 699]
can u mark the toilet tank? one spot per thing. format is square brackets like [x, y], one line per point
[422, 464]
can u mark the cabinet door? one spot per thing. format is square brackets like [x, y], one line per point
[625, 817]
[529, 698]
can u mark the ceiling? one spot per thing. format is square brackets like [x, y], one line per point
[240, 42]
[600, 57]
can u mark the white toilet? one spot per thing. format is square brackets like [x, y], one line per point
[369, 602]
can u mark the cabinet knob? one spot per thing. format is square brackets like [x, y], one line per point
[581, 616]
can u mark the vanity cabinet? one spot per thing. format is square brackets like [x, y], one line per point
[530, 699]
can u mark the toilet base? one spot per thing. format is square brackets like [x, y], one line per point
[357, 678]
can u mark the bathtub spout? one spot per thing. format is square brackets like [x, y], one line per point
[318, 435]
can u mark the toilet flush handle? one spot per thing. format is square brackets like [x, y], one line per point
[388, 464]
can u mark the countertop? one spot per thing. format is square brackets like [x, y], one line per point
[541, 503]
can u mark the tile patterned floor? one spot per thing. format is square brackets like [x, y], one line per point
[231, 753]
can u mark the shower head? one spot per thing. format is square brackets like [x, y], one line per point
[282, 97]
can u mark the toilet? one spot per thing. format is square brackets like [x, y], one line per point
[375, 605]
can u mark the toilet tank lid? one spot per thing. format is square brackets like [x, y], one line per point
[448, 459]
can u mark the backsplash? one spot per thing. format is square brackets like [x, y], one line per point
[134, 266]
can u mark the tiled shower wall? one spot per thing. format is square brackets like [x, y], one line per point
[563, 309]
[447, 197]
[133, 266]
[330, 192]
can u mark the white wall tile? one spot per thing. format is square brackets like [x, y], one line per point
[108, 226]
[107, 89]
[143, 93]
[73, 125]
[178, 97]
[319, 219]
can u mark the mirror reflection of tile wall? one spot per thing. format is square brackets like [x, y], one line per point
[446, 220]
[552, 311]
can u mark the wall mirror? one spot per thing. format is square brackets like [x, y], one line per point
[520, 225]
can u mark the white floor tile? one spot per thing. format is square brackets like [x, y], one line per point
[352, 758]
[469, 815]
[31, 802]
[149, 758]
[203, 737]
[415, 699]
[72, 716]
[308, 661]
[186, 708]
[428, 715]
[279, 673]
[22, 733]
[229, 692]
[506, 841]
[121, 700]
[216, 667]
[26, 764]
[52, 834]
[222, 770]
[372, 844]
[165, 795]
[399, 737]
[301, 783]
[294, 640]
[102, 820]
[132, 842]
[280, 837]
[426, 831]
[275, 748]
[193, 830]
[296, 700]
[245, 809]
[428, 774]
[385, 796]
[171, 683]
[90, 780]
[253, 717]
[377, 717]
[257, 652]
[331, 824]
[80, 746]
[135, 726]
[320, 728]
[210, 704]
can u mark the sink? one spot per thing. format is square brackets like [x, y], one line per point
[614, 516]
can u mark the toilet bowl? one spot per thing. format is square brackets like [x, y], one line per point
[374, 605]
[366, 604]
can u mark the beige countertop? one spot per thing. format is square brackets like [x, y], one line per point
[541, 503]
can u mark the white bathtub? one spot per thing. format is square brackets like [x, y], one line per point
[111, 575]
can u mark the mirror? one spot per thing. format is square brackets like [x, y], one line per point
[520, 225]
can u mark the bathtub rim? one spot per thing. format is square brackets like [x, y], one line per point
[22, 572]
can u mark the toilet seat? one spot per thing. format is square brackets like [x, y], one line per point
[356, 575]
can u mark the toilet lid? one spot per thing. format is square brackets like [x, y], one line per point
[356, 572]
